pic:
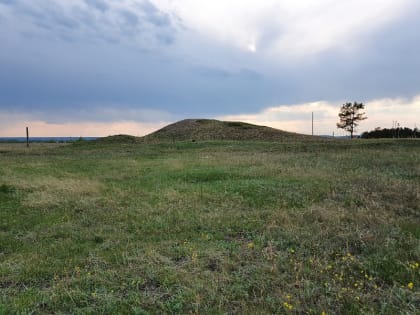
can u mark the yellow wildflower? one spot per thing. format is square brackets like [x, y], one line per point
[414, 265]
[194, 256]
[410, 285]
[251, 245]
[288, 306]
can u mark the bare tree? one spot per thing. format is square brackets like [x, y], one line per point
[350, 116]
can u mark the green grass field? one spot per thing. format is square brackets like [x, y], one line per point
[293, 227]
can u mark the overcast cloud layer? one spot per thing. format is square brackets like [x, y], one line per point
[154, 61]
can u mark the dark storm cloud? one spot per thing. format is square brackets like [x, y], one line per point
[97, 4]
[59, 82]
[129, 18]
[386, 66]
[76, 60]
[8, 2]
[77, 21]
[221, 74]
[154, 15]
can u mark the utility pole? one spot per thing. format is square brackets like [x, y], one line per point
[394, 129]
[312, 123]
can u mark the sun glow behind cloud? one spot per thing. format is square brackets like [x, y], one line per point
[287, 28]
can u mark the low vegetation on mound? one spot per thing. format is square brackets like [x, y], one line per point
[119, 139]
[207, 130]
[211, 129]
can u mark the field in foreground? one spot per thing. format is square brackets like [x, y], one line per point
[210, 228]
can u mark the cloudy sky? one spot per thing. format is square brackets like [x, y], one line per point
[101, 67]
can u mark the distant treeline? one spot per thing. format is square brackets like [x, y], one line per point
[392, 133]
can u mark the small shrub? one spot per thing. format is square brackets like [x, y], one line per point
[6, 189]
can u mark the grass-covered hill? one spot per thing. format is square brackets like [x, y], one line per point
[211, 129]
[119, 139]
[208, 130]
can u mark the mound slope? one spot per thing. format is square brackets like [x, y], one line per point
[211, 129]
[119, 139]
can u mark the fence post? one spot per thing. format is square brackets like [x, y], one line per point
[27, 137]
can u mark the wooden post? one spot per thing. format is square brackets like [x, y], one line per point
[27, 137]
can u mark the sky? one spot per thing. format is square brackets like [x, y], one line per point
[103, 67]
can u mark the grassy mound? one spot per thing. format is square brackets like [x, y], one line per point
[211, 129]
[119, 139]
